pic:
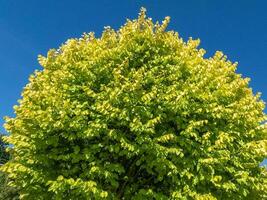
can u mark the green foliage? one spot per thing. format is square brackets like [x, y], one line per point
[4, 156]
[6, 192]
[137, 114]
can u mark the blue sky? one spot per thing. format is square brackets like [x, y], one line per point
[32, 27]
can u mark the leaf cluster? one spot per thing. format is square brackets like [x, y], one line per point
[137, 114]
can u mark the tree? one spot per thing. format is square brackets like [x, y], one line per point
[4, 156]
[6, 192]
[137, 114]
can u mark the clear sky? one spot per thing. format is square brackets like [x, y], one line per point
[32, 27]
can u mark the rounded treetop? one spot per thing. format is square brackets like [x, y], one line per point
[137, 114]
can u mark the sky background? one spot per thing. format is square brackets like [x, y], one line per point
[32, 27]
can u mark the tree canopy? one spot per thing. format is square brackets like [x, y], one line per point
[137, 114]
